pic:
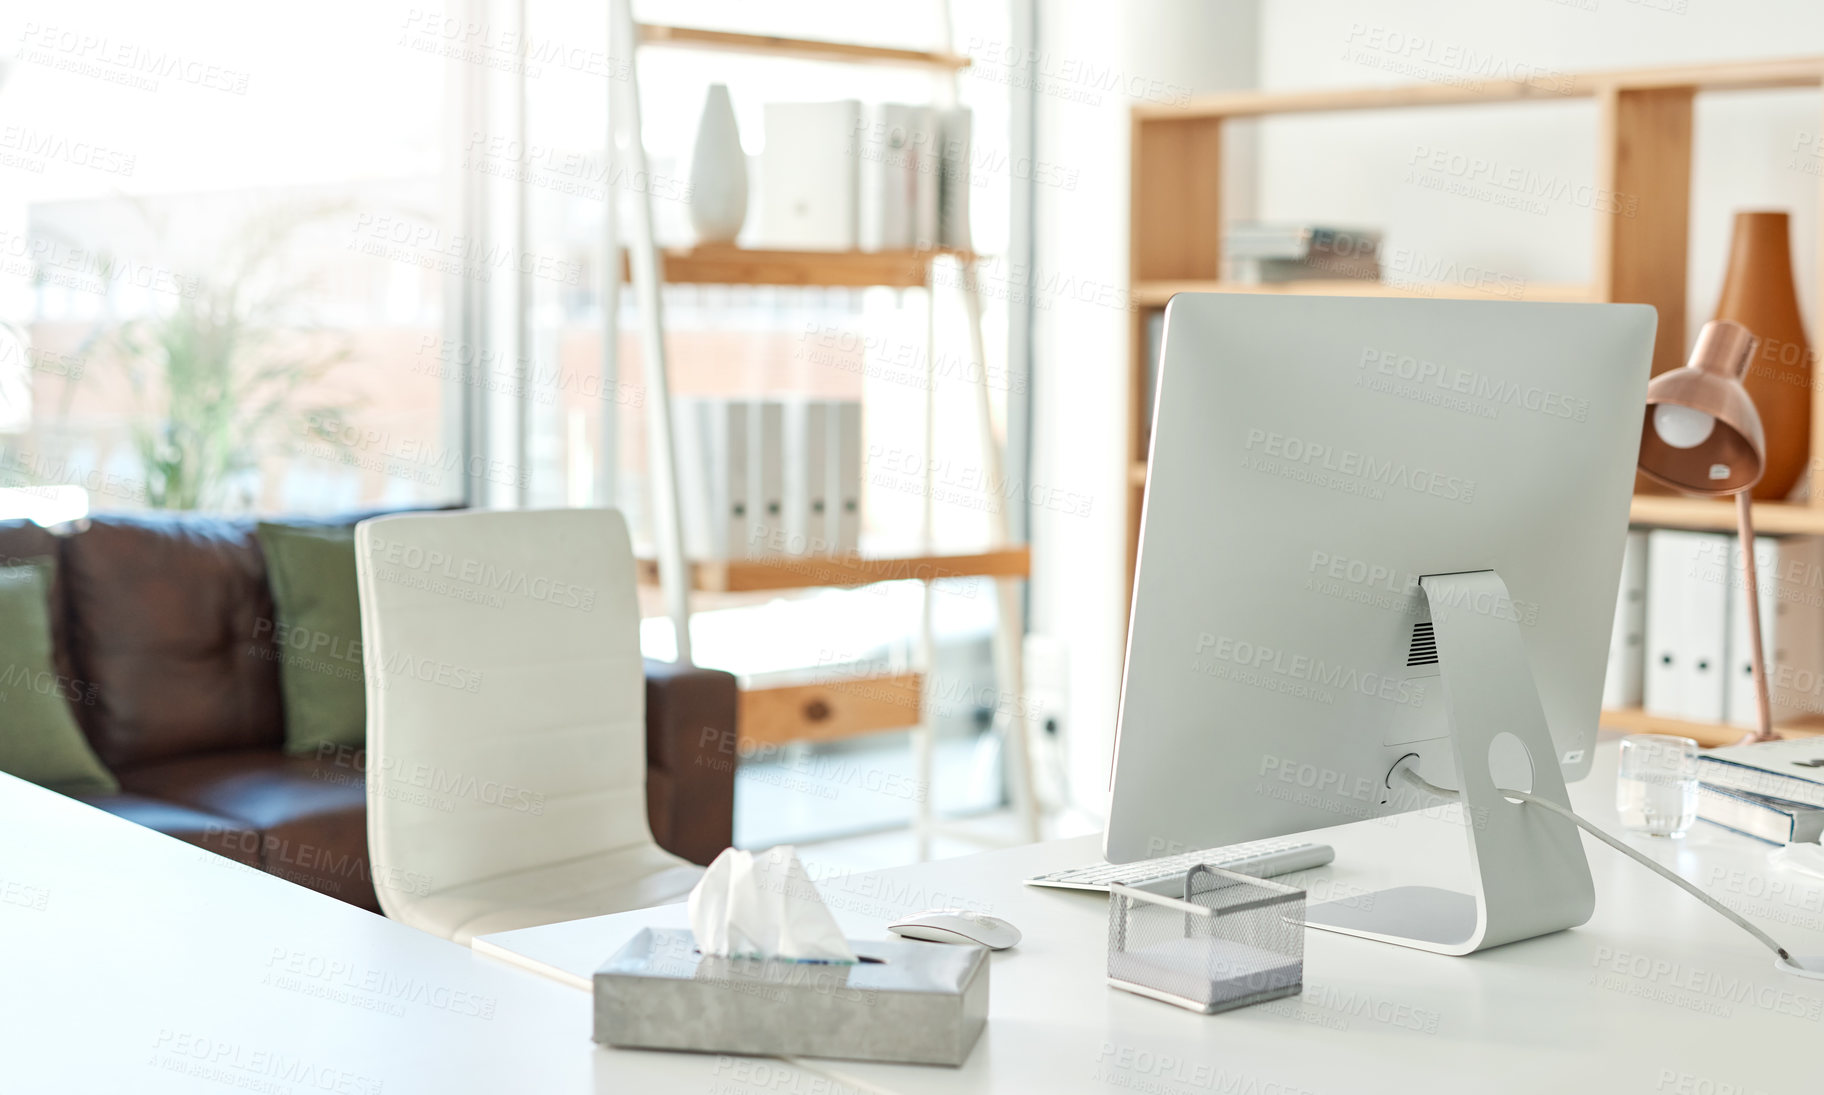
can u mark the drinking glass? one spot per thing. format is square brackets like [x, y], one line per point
[1656, 785]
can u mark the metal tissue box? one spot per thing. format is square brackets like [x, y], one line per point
[1231, 941]
[906, 1001]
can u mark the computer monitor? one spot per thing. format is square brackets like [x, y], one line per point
[1376, 530]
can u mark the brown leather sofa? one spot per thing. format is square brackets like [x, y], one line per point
[156, 623]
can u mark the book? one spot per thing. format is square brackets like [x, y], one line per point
[885, 146]
[928, 172]
[765, 477]
[844, 454]
[1622, 683]
[1739, 692]
[807, 477]
[1791, 770]
[1757, 816]
[1278, 253]
[1687, 625]
[809, 176]
[953, 157]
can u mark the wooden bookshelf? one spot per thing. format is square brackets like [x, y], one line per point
[782, 572]
[827, 709]
[801, 49]
[1632, 720]
[1644, 150]
[1156, 294]
[722, 264]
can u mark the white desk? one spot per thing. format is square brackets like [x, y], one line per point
[1654, 994]
[131, 962]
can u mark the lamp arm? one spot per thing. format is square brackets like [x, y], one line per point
[1744, 519]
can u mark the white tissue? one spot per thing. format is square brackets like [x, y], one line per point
[764, 906]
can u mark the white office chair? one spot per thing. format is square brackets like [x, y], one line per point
[506, 736]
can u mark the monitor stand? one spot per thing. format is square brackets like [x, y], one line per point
[1532, 876]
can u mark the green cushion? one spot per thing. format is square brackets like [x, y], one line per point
[318, 633]
[39, 738]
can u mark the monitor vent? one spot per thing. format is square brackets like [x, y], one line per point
[1424, 648]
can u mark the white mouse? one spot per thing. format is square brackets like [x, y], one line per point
[958, 926]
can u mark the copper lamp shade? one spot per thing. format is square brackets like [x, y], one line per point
[1676, 449]
[1703, 436]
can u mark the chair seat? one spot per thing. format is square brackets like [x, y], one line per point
[611, 882]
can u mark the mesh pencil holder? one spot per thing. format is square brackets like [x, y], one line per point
[1231, 941]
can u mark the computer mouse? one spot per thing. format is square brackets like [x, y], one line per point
[958, 926]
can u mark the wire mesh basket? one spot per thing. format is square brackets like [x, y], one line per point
[1230, 941]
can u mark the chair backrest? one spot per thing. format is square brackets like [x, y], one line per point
[505, 693]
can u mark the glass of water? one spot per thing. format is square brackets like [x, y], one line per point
[1656, 785]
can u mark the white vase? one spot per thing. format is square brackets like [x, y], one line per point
[718, 172]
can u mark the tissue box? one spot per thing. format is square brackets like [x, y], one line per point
[906, 1001]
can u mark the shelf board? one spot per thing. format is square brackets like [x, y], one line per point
[803, 49]
[1770, 518]
[1157, 293]
[1710, 735]
[782, 572]
[720, 264]
[1786, 72]
[1672, 511]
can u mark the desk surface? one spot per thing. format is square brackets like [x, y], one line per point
[1654, 994]
[132, 962]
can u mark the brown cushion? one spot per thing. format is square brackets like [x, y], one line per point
[311, 814]
[170, 619]
[218, 834]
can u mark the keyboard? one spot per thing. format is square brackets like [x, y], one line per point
[1260, 858]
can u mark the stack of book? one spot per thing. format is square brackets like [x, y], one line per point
[763, 477]
[1773, 791]
[846, 176]
[1266, 254]
[1680, 647]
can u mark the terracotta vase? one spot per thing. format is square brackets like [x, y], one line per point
[1758, 294]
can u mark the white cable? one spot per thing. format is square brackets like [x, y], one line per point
[1406, 772]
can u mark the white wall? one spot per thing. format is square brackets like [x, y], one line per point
[1372, 168]
[1147, 49]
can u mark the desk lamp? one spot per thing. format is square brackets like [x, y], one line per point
[1703, 436]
